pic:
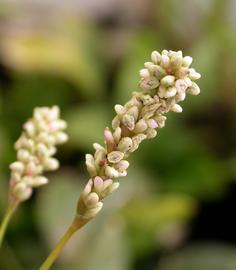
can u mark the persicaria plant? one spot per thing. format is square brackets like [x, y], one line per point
[165, 81]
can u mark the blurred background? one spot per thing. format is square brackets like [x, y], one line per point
[175, 210]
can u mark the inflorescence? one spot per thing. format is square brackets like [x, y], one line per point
[165, 81]
[35, 148]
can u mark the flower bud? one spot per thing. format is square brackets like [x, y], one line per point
[144, 73]
[170, 92]
[119, 109]
[111, 172]
[17, 167]
[61, 137]
[91, 200]
[98, 184]
[51, 164]
[152, 123]
[140, 126]
[187, 61]
[21, 191]
[122, 165]
[151, 133]
[23, 155]
[193, 75]
[194, 89]
[115, 156]
[117, 134]
[168, 80]
[128, 121]
[30, 128]
[165, 60]
[92, 212]
[125, 144]
[176, 108]
[149, 83]
[156, 57]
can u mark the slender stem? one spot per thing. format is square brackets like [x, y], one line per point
[75, 226]
[10, 211]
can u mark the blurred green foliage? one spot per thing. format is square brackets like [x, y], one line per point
[86, 65]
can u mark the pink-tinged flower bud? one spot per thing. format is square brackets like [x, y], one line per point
[152, 123]
[165, 61]
[176, 108]
[110, 142]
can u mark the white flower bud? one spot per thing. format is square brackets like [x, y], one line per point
[98, 146]
[21, 191]
[98, 184]
[144, 73]
[152, 123]
[176, 108]
[115, 156]
[170, 92]
[194, 89]
[149, 83]
[193, 75]
[15, 176]
[119, 109]
[51, 164]
[17, 167]
[110, 189]
[91, 213]
[133, 111]
[23, 155]
[61, 137]
[42, 150]
[181, 85]
[91, 200]
[151, 133]
[111, 172]
[117, 134]
[168, 80]
[125, 144]
[187, 61]
[156, 57]
[140, 126]
[176, 60]
[30, 128]
[90, 164]
[35, 181]
[122, 165]
[87, 189]
[165, 60]
[128, 121]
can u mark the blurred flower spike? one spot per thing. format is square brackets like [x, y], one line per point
[35, 148]
[165, 81]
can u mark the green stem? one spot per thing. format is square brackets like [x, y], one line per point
[75, 226]
[10, 211]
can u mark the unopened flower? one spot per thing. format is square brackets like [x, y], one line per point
[35, 149]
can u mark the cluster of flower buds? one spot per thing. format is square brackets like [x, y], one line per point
[164, 82]
[35, 149]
